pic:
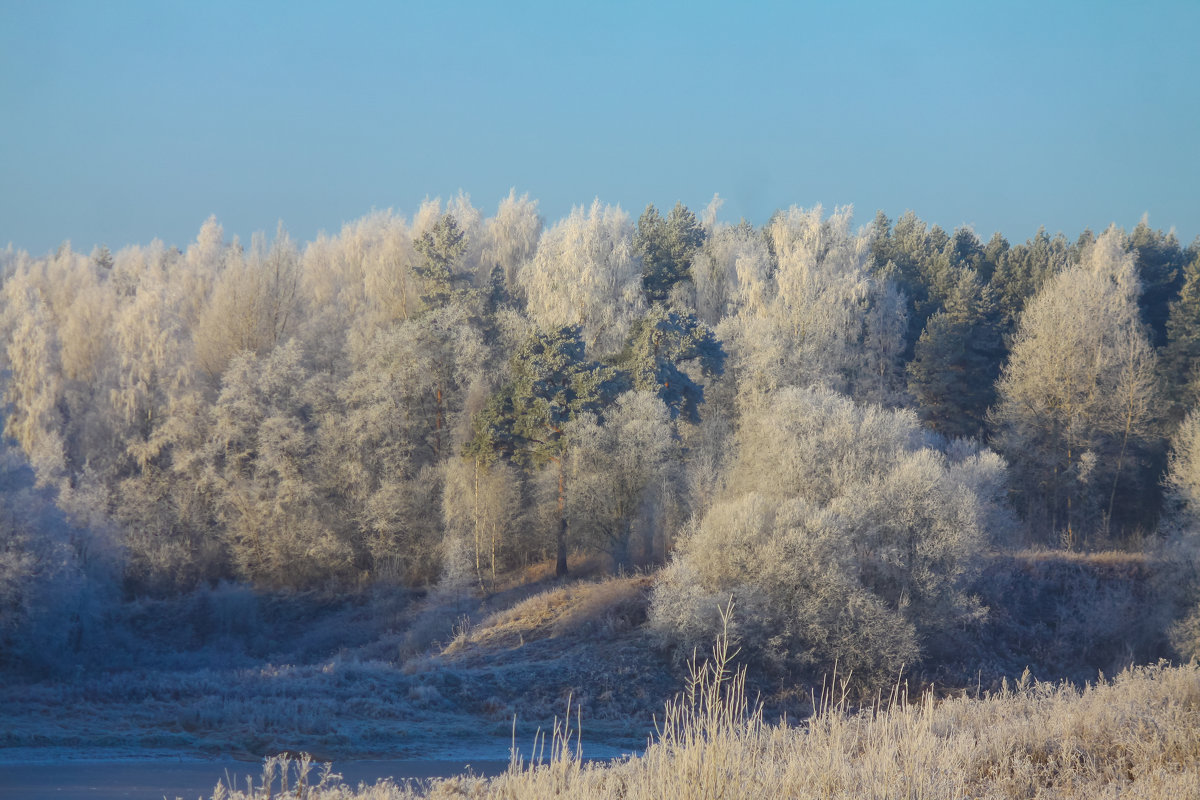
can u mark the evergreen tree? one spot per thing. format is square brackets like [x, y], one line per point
[667, 248]
[1024, 268]
[552, 384]
[968, 250]
[958, 359]
[442, 248]
[102, 258]
[650, 243]
[659, 343]
[1181, 357]
[993, 254]
[1160, 264]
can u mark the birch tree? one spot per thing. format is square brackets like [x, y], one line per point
[822, 318]
[585, 272]
[511, 239]
[1076, 399]
[253, 306]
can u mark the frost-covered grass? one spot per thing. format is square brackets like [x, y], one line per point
[243, 676]
[1135, 736]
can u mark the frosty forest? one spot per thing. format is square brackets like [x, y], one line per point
[896, 448]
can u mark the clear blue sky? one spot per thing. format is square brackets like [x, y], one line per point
[125, 121]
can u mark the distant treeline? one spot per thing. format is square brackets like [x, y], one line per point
[833, 425]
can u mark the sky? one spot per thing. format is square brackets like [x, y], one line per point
[129, 121]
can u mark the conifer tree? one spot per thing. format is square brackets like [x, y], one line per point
[1181, 357]
[666, 248]
[957, 360]
[659, 343]
[1160, 264]
[553, 383]
[442, 249]
[1024, 268]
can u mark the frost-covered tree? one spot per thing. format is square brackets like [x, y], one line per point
[1182, 481]
[731, 270]
[821, 318]
[441, 248]
[1180, 529]
[253, 305]
[404, 409]
[585, 272]
[1077, 397]
[511, 239]
[261, 460]
[34, 385]
[481, 503]
[379, 260]
[621, 475]
[528, 421]
[56, 580]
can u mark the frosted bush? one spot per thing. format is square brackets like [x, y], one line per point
[845, 537]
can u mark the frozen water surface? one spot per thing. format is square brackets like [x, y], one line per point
[190, 779]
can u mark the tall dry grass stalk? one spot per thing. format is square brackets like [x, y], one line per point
[1137, 736]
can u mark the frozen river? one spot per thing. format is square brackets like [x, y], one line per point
[159, 778]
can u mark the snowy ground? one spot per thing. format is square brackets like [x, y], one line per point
[346, 684]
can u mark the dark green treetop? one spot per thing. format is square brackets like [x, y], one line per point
[441, 248]
[1024, 268]
[552, 384]
[1160, 264]
[957, 360]
[667, 248]
[658, 344]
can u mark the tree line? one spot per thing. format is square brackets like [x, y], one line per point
[793, 413]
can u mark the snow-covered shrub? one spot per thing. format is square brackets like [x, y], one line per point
[845, 536]
[54, 577]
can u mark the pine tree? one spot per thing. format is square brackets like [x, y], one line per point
[667, 248]
[1160, 264]
[659, 343]
[1181, 357]
[957, 360]
[442, 248]
[1024, 268]
[553, 384]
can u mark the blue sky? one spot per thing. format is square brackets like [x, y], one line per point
[127, 121]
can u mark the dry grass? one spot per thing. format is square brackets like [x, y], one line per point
[1136, 736]
[578, 608]
[581, 565]
[1119, 561]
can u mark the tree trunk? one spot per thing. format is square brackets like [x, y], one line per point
[622, 551]
[1112, 498]
[560, 566]
[478, 524]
